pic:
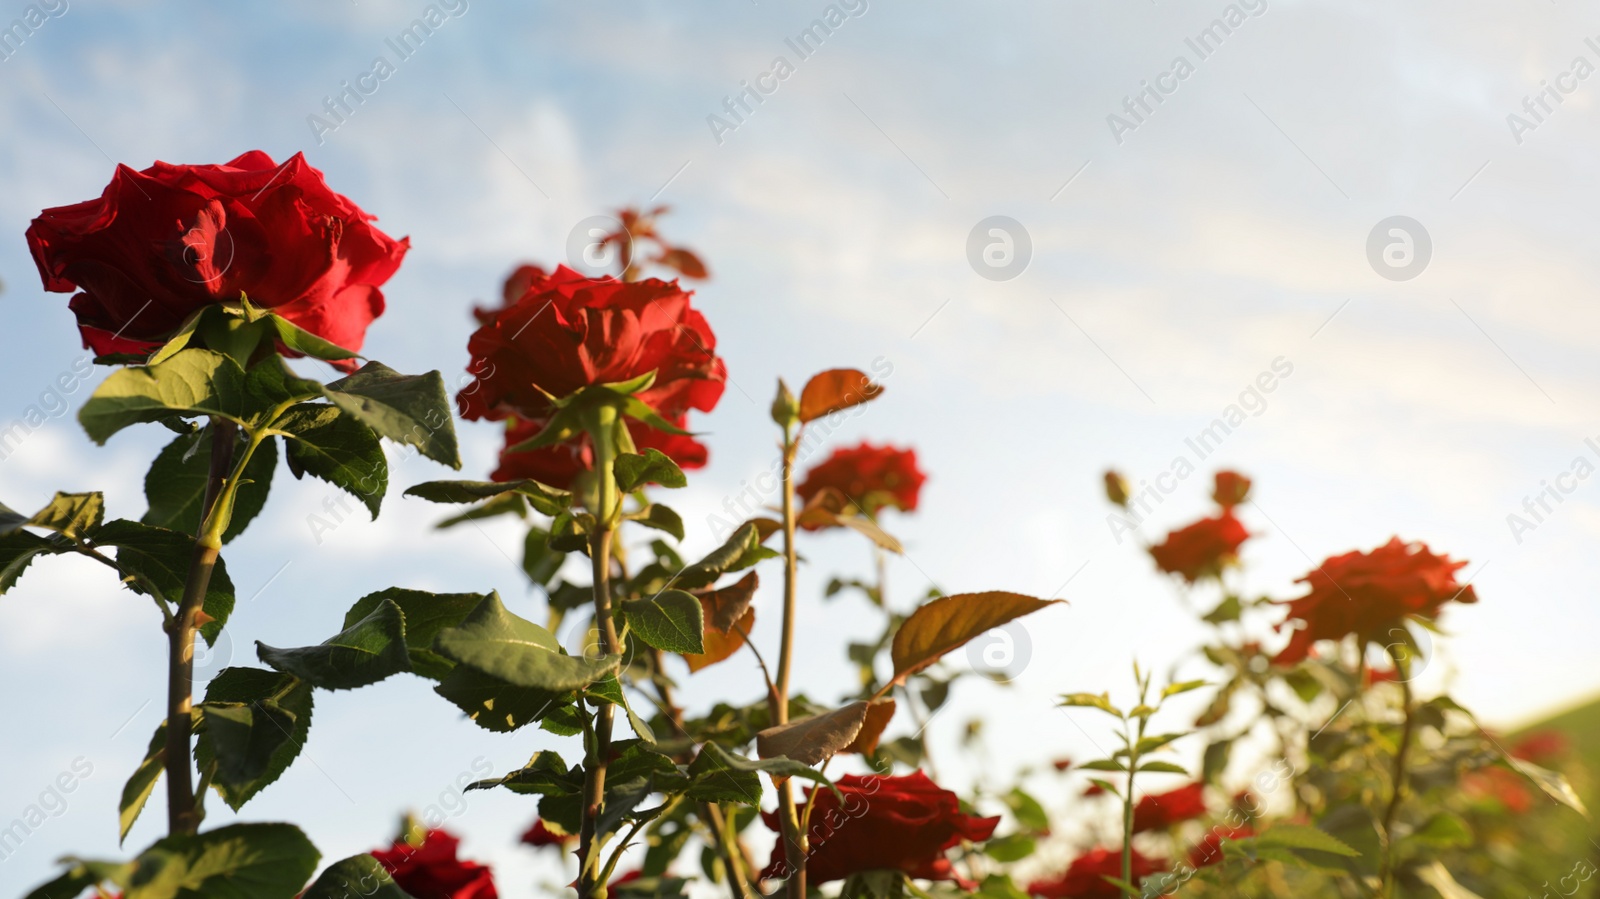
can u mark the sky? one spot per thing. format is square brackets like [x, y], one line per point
[1204, 209]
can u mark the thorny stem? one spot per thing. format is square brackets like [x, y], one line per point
[794, 840]
[182, 815]
[1400, 758]
[591, 884]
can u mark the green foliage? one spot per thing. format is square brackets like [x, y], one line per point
[672, 620]
[252, 725]
[175, 485]
[358, 875]
[363, 653]
[328, 443]
[494, 642]
[408, 409]
[634, 470]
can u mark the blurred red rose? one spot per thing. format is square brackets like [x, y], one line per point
[1061, 764]
[885, 823]
[559, 466]
[432, 871]
[1159, 811]
[1230, 489]
[566, 331]
[1370, 595]
[1202, 548]
[1208, 851]
[1541, 747]
[540, 834]
[872, 477]
[1086, 877]
[1498, 785]
[1094, 790]
[160, 244]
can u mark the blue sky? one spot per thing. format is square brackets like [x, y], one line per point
[1173, 261]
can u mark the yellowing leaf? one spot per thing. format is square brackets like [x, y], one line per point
[720, 645]
[836, 389]
[879, 714]
[949, 622]
[812, 739]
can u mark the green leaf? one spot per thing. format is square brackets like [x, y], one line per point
[162, 558]
[82, 874]
[271, 385]
[1027, 810]
[634, 470]
[10, 519]
[175, 485]
[1090, 700]
[1228, 610]
[1152, 743]
[1184, 687]
[408, 409]
[1295, 836]
[497, 706]
[18, 549]
[545, 774]
[240, 861]
[1103, 765]
[660, 518]
[546, 500]
[610, 690]
[326, 443]
[1162, 768]
[357, 876]
[742, 549]
[426, 614]
[253, 725]
[306, 343]
[136, 792]
[497, 643]
[192, 383]
[75, 515]
[1551, 782]
[1443, 829]
[672, 620]
[539, 561]
[364, 653]
[1010, 848]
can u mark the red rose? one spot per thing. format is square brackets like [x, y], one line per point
[162, 243]
[1231, 489]
[1061, 764]
[1202, 548]
[1208, 851]
[1086, 877]
[885, 823]
[1094, 789]
[1159, 811]
[1370, 595]
[559, 466]
[1498, 785]
[873, 477]
[566, 332]
[540, 834]
[1541, 747]
[432, 871]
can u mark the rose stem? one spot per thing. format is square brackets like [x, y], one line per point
[793, 838]
[603, 434]
[181, 814]
[1400, 758]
